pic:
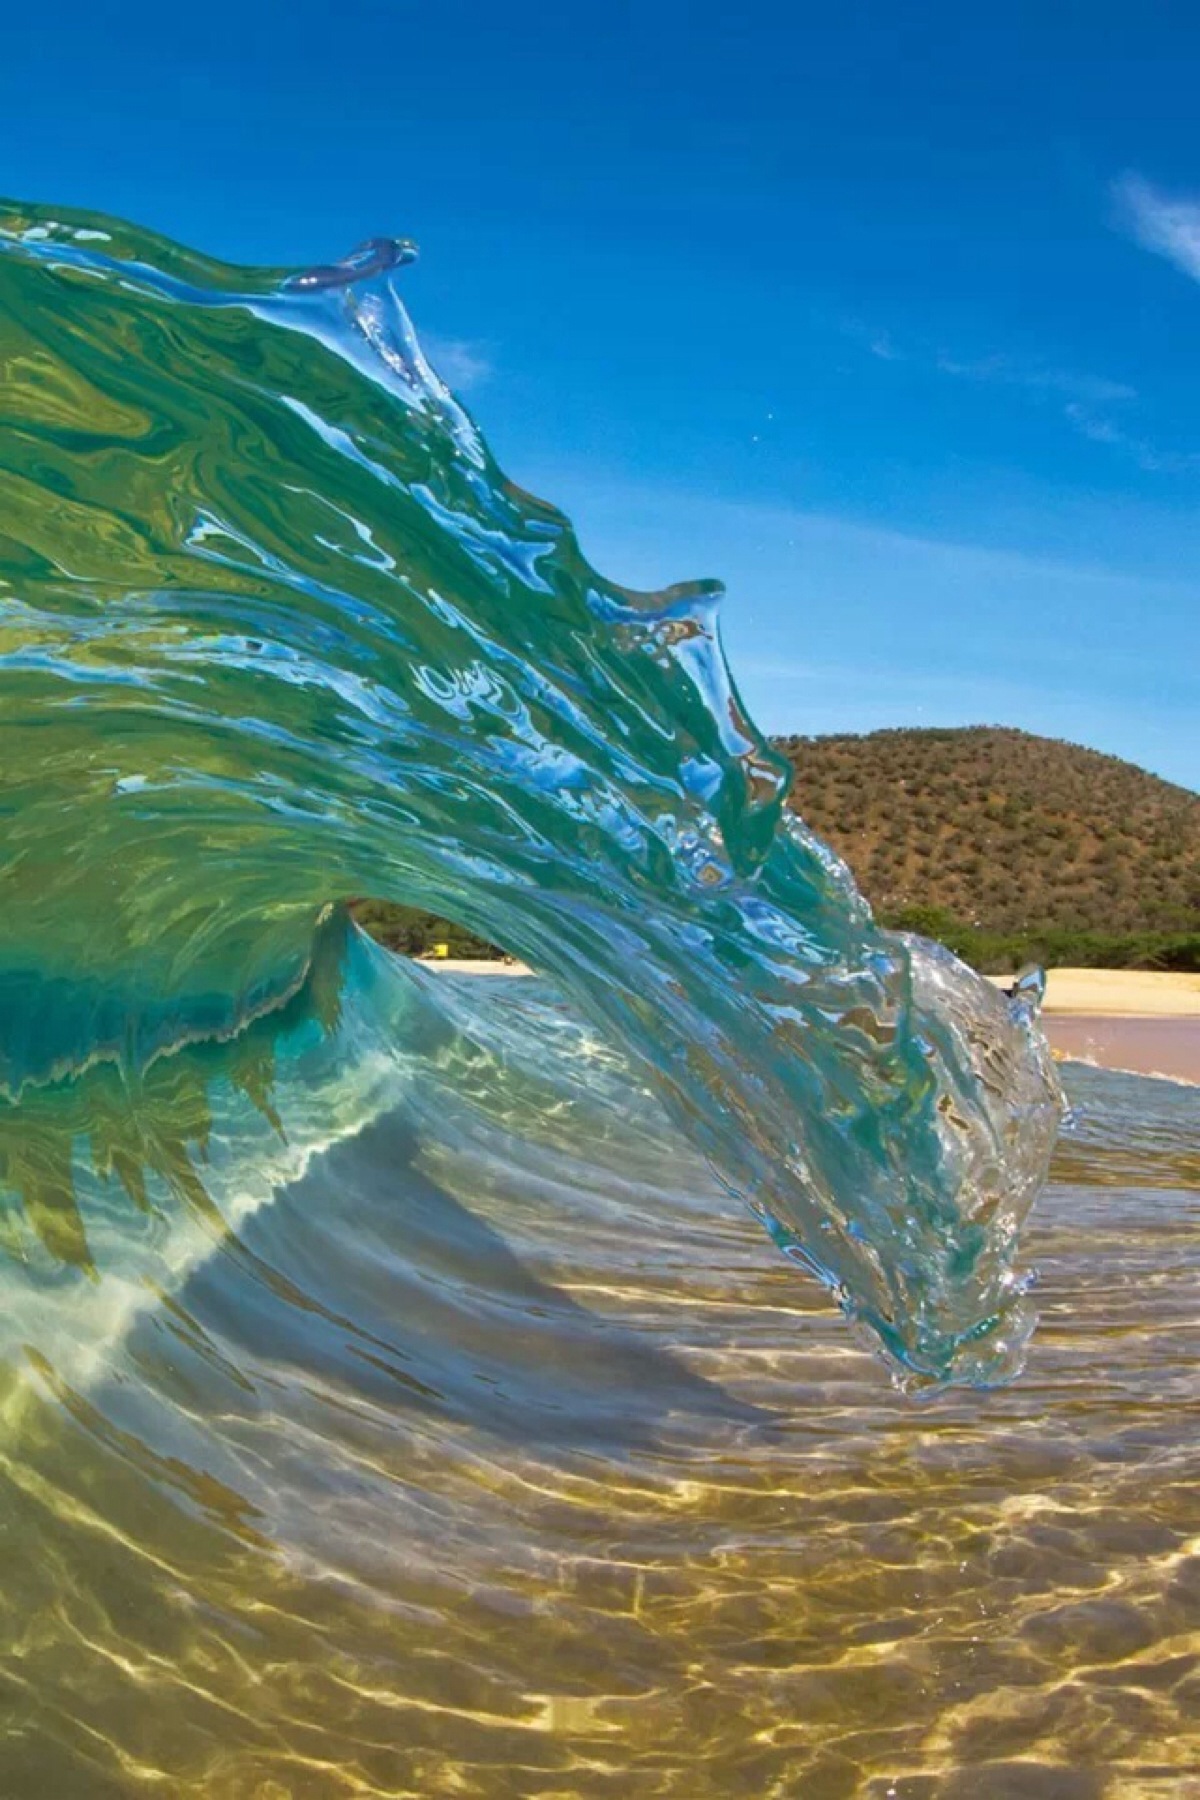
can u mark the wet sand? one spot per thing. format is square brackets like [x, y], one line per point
[1141, 1020]
[1169, 1047]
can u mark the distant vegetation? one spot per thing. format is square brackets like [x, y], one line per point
[416, 933]
[1008, 847]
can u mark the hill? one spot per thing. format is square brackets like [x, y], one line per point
[985, 832]
[1006, 846]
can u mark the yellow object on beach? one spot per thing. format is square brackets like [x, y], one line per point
[441, 951]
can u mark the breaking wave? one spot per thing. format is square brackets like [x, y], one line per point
[276, 631]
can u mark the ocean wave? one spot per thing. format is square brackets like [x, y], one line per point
[274, 631]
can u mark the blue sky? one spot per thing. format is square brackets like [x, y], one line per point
[889, 321]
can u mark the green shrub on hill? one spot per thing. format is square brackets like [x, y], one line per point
[995, 952]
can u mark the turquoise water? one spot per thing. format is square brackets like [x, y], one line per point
[275, 630]
[397, 1397]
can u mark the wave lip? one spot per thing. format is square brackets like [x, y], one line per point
[275, 629]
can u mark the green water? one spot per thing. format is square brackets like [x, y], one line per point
[276, 631]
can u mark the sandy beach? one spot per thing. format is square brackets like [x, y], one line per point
[1140, 1020]
[1122, 993]
[472, 965]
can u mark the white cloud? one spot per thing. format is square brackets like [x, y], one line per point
[996, 370]
[1081, 395]
[1170, 227]
[881, 345]
[462, 364]
[1009, 373]
[1146, 455]
[878, 343]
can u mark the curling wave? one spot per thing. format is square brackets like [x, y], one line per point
[274, 631]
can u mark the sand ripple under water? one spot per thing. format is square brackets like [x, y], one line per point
[489, 1452]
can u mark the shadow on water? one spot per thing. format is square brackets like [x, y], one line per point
[367, 1270]
[308, 1205]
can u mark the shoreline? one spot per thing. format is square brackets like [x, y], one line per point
[1167, 1047]
[1139, 1021]
[1073, 993]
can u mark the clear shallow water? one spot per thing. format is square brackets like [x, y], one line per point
[486, 1452]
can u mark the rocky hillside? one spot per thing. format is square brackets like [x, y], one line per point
[1004, 831]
